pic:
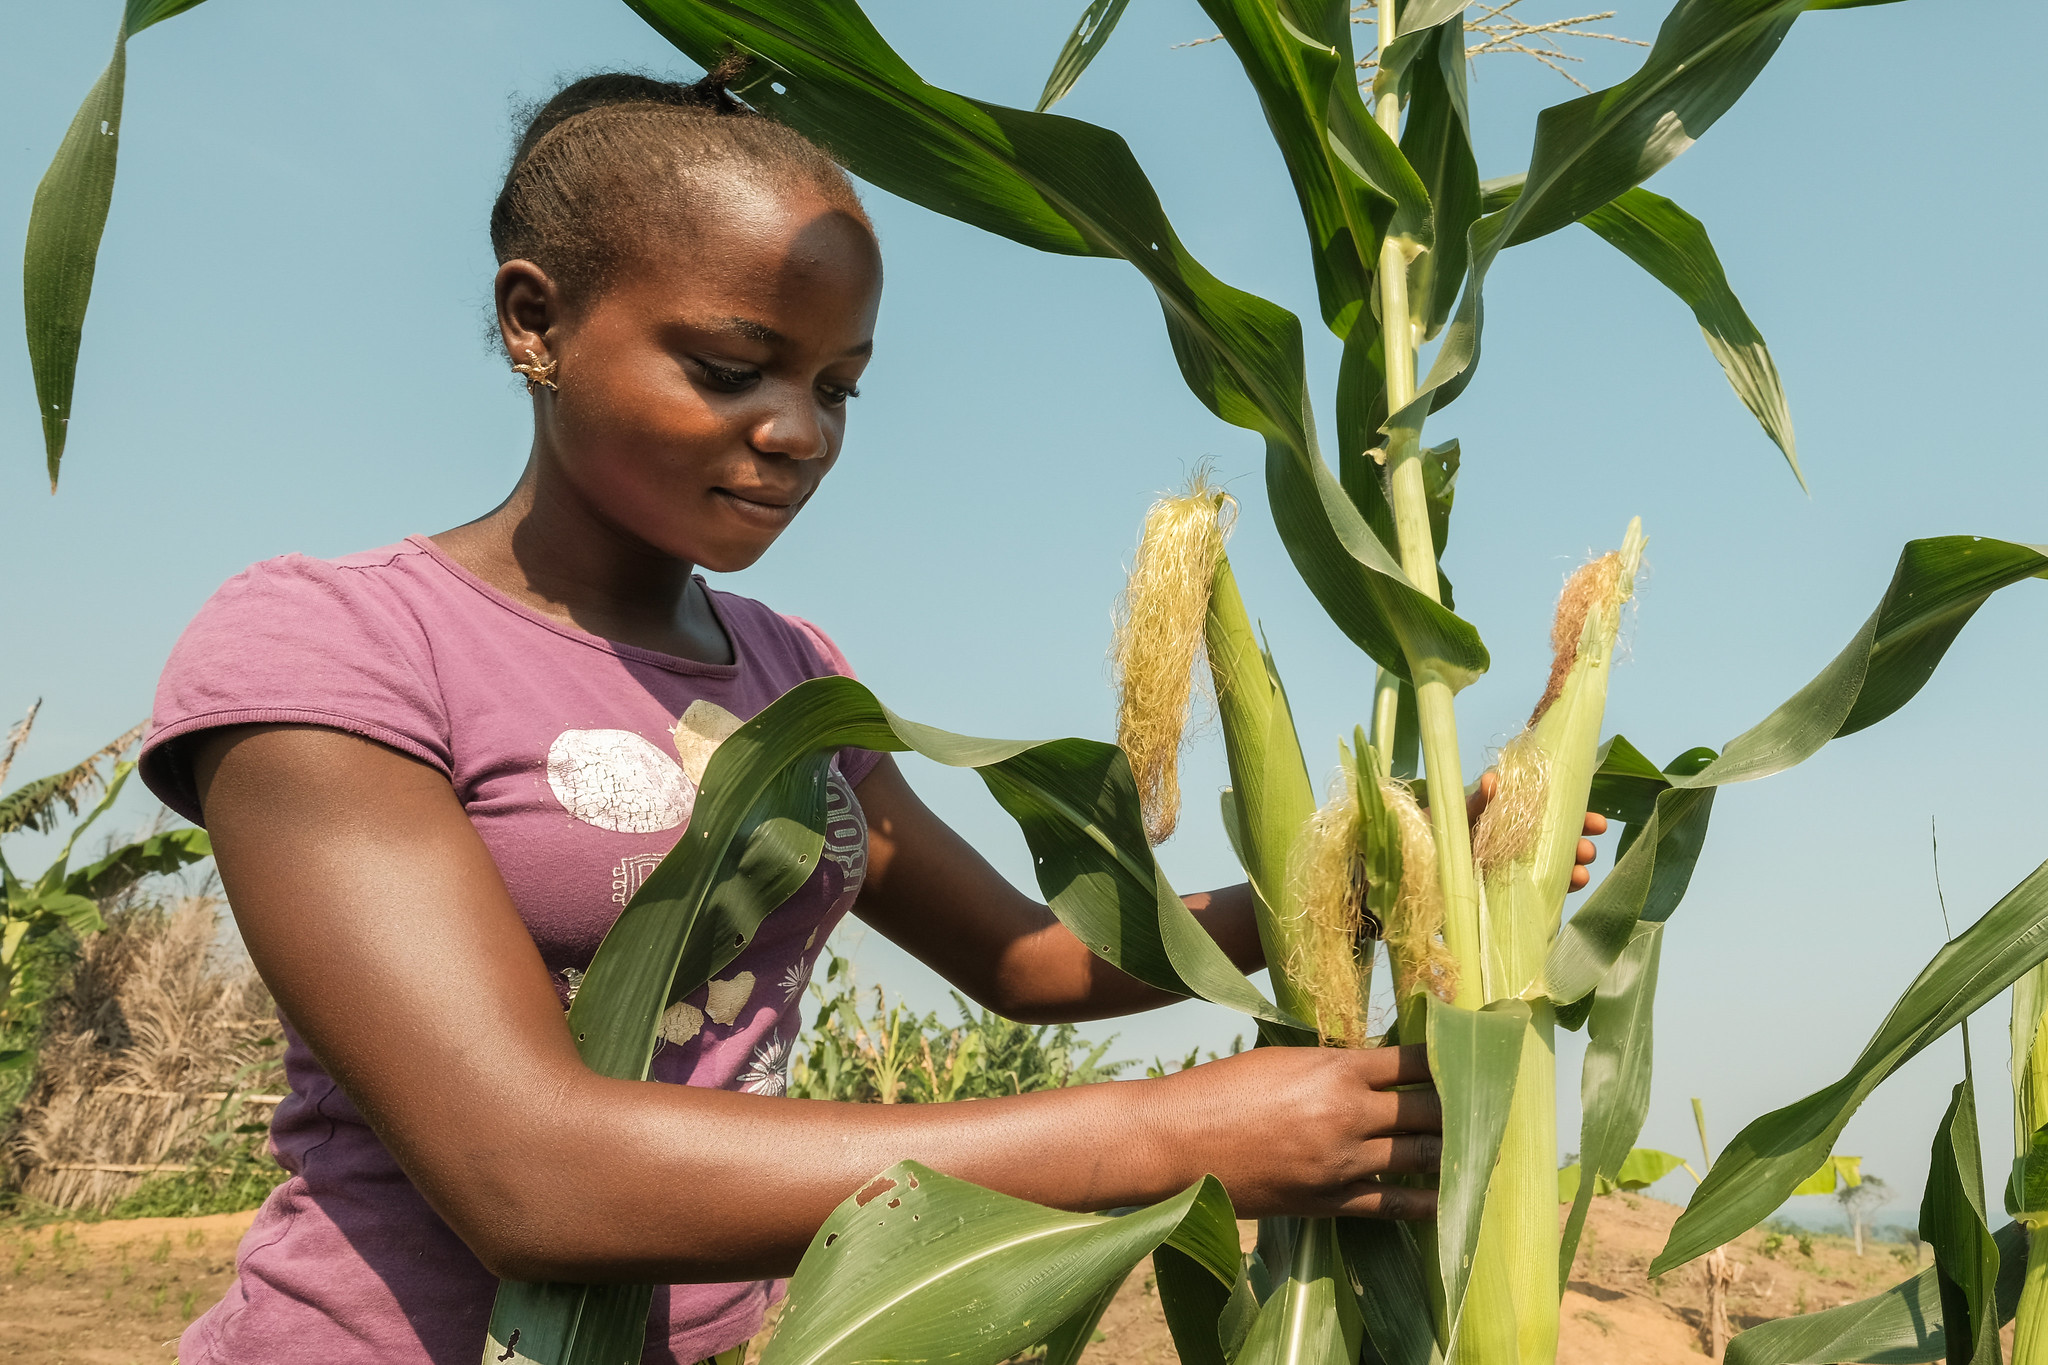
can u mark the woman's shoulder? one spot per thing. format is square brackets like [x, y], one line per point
[342, 643]
[780, 641]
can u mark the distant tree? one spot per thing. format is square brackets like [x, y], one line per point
[1860, 1201]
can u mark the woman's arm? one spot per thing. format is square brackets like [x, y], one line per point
[928, 891]
[379, 921]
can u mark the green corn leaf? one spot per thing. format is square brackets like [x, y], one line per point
[754, 836]
[1061, 185]
[1673, 247]
[1070, 1340]
[64, 227]
[920, 1266]
[1769, 1158]
[1393, 1289]
[1649, 879]
[1296, 72]
[1953, 1222]
[1311, 1317]
[1087, 40]
[1438, 143]
[1475, 1057]
[1901, 1326]
[1937, 587]
[1207, 1318]
[1614, 1079]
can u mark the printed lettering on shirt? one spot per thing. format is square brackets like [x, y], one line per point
[631, 873]
[846, 832]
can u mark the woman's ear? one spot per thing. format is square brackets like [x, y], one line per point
[529, 305]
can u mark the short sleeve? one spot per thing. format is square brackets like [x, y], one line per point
[854, 764]
[295, 641]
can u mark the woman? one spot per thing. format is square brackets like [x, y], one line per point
[434, 773]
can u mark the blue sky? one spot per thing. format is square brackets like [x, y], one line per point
[286, 353]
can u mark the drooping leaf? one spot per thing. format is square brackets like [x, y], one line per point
[64, 227]
[1770, 1157]
[1673, 247]
[1954, 1225]
[1089, 37]
[920, 1266]
[1475, 1057]
[1061, 185]
[1640, 1169]
[1901, 1326]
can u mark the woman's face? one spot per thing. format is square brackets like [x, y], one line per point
[702, 394]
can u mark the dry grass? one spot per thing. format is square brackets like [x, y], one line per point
[158, 1026]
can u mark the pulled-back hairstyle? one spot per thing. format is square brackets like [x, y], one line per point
[613, 162]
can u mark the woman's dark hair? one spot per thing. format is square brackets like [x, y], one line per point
[614, 161]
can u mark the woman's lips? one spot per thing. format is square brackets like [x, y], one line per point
[761, 507]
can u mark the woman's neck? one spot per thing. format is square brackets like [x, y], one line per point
[546, 547]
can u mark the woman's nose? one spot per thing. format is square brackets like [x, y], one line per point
[792, 426]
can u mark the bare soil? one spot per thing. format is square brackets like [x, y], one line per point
[119, 1292]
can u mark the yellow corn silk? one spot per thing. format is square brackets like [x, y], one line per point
[1525, 847]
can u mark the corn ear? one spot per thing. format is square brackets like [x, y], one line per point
[1525, 847]
[1270, 795]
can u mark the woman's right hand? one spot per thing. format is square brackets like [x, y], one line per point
[1314, 1131]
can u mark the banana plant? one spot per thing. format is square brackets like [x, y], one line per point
[61, 897]
[1402, 237]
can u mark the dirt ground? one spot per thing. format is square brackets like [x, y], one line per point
[120, 1292]
[112, 1293]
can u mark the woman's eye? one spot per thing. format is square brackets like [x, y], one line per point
[835, 395]
[726, 376]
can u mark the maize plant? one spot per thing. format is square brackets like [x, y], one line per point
[1402, 236]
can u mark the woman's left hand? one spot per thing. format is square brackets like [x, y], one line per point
[1596, 823]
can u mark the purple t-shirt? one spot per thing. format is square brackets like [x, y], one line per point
[578, 761]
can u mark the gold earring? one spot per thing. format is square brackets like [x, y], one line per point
[539, 373]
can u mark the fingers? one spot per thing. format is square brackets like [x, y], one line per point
[1405, 1154]
[1477, 802]
[1371, 1199]
[1403, 1111]
[1587, 852]
[1387, 1067]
